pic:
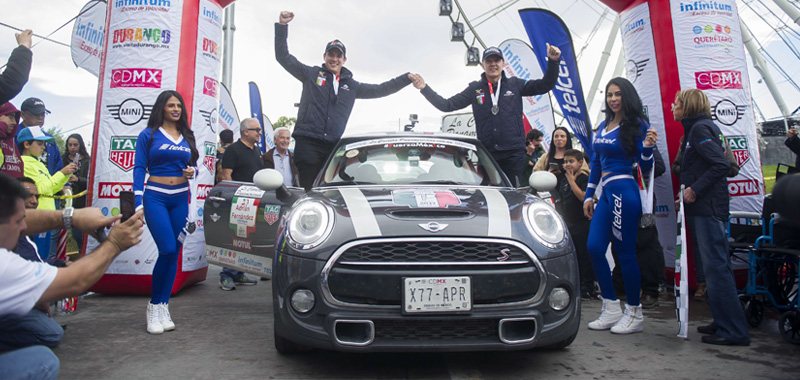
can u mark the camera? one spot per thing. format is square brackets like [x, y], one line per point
[413, 118]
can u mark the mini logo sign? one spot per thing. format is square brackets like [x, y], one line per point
[433, 226]
[212, 119]
[110, 190]
[210, 87]
[138, 78]
[718, 80]
[634, 69]
[123, 149]
[130, 111]
[211, 156]
[727, 112]
[271, 213]
[739, 148]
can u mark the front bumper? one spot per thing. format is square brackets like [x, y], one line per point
[342, 326]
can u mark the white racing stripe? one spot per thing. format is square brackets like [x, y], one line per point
[361, 214]
[499, 215]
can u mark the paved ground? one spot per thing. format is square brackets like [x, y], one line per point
[228, 335]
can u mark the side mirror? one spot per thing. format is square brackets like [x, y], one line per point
[271, 179]
[543, 181]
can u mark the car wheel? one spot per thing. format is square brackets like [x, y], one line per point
[562, 344]
[285, 346]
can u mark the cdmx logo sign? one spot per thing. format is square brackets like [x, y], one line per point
[634, 69]
[727, 112]
[138, 78]
[130, 111]
[718, 80]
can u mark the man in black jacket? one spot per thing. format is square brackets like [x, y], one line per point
[497, 106]
[329, 92]
[18, 68]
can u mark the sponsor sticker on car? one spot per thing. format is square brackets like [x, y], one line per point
[409, 141]
[418, 198]
[243, 215]
[249, 191]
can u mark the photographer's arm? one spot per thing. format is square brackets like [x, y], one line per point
[87, 220]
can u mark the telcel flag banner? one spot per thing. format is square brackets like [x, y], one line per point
[545, 27]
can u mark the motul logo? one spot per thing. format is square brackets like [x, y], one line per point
[744, 188]
[110, 190]
[210, 87]
[141, 78]
[202, 191]
[718, 80]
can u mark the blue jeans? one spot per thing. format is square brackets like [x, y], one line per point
[723, 300]
[36, 362]
[31, 329]
[230, 273]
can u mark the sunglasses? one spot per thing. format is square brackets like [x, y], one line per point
[254, 129]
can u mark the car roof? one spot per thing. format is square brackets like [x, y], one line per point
[377, 135]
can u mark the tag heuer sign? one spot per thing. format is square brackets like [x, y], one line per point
[739, 148]
[123, 149]
[211, 156]
[271, 213]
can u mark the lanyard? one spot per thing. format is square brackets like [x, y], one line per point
[336, 84]
[494, 96]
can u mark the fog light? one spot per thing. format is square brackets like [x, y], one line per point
[302, 300]
[559, 299]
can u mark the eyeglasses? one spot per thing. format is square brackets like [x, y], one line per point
[254, 129]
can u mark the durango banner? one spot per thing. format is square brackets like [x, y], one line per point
[149, 48]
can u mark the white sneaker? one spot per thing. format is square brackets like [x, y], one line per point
[166, 320]
[631, 322]
[154, 325]
[609, 316]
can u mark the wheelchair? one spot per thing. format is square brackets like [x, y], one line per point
[771, 246]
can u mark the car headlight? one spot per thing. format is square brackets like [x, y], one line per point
[309, 225]
[545, 224]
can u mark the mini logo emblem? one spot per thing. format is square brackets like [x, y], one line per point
[215, 217]
[503, 254]
[433, 226]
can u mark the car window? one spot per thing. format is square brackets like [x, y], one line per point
[409, 161]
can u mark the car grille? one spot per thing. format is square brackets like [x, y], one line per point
[369, 273]
[432, 252]
[446, 329]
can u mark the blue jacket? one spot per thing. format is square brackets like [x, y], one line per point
[323, 114]
[704, 167]
[51, 157]
[504, 131]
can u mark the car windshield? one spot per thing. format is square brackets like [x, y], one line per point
[411, 161]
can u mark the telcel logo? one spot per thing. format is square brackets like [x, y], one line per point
[718, 80]
[110, 190]
[140, 78]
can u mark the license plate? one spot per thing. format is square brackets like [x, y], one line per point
[436, 294]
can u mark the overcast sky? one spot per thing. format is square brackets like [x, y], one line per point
[383, 38]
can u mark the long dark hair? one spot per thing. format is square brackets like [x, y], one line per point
[632, 114]
[552, 152]
[81, 146]
[157, 119]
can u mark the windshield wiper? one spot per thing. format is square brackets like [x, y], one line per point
[439, 182]
[349, 183]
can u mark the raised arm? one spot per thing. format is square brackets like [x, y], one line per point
[18, 68]
[457, 102]
[288, 61]
[373, 91]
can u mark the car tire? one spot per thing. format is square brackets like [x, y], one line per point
[562, 344]
[285, 346]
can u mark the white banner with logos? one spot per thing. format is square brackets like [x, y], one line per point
[520, 61]
[710, 51]
[141, 61]
[205, 123]
[228, 116]
[87, 36]
[641, 69]
[460, 124]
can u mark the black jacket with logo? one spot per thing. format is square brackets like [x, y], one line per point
[704, 167]
[504, 131]
[323, 114]
[16, 74]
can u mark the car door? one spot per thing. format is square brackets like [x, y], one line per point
[241, 225]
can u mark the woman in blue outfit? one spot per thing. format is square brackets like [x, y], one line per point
[166, 151]
[621, 140]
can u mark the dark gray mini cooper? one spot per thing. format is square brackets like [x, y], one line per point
[407, 242]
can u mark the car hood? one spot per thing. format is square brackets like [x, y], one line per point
[435, 211]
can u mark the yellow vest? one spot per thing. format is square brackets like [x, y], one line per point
[46, 184]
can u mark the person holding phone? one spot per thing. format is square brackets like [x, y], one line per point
[553, 161]
[76, 153]
[166, 150]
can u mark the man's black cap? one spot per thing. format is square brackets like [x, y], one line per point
[336, 44]
[34, 106]
[490, 52]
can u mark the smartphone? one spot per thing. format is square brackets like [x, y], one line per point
[554, 166]
[127, 204]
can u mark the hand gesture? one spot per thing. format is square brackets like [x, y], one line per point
[588, 209]
[128, 234]
[72, 178]
[69, 169]
[689, 196]
[651, 138]
[90, 219]
[417, 81]
[570, 176]
[24, 38]
[188, 173]
[553, 52]
[285, 17]
[792, 133]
